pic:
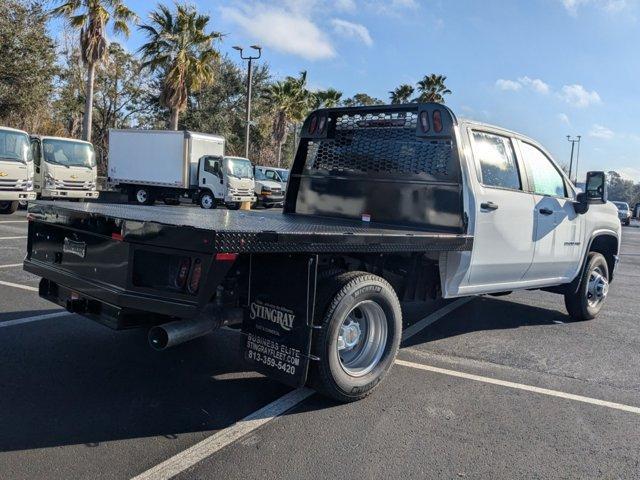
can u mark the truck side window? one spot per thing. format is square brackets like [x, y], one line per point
[497, 161]
[547, 180]
[271, 175]
[212, 166]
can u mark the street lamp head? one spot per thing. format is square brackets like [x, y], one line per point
[236, 47]
[256, 47]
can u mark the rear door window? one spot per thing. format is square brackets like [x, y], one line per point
[497, 160]
[547, 180]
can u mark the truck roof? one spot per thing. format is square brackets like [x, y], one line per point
[186, 133]
[13, 130]
[64, 139]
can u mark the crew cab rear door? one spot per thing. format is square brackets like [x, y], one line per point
[558, 228]
[503, 246]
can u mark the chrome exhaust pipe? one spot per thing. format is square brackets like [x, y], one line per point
[171, 334]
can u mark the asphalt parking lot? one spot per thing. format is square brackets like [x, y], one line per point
[496, 388]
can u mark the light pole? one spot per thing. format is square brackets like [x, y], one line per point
[250, 58]
[573, 145]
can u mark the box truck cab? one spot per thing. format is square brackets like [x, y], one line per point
[16, 169]
[64, 168]
[225, 180]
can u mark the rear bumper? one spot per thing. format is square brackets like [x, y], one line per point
[70, 193]
[115, 307]
[9, 196]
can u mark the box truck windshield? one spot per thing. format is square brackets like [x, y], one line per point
[14, 147]
[238, 167]
[69, 154]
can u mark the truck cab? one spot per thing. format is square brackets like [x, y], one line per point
[16, 169]
[225, 180]
[65, 168]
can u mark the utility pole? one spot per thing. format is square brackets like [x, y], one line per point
[250, 59]
[573, 145]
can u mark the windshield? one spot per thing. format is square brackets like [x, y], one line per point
[69, 154]
[621, 205]
[260, 174]
[14, 146]
[284, 175]
[238, 167]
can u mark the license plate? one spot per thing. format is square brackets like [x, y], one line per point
[79, 249]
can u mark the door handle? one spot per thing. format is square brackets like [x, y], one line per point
[546, 211]
[489, 206]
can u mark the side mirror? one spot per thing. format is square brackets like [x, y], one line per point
[581, 205]
[596, 187]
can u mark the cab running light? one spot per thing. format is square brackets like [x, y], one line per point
[424, 122]
[196, 276]
[437, 121]
[226, 257]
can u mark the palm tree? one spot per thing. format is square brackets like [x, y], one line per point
[291, 101]
[182, 51]
[432, 88]
[402, 94]
[326, 98]
[91, 18]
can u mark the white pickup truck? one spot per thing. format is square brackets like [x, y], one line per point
[384, 204]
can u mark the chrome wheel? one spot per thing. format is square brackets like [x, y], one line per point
[598, 287]
[362, 338]
[206, 201]
[142, 196]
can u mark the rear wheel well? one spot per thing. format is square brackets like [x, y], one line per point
[607, 245]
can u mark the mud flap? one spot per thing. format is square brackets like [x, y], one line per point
[278, 319]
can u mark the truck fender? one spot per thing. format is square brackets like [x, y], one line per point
[575, 283]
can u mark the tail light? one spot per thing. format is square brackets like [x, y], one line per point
[424, 122]
[226, 257]
[313, 125]
[437, 121]
[196, 276]
[183, 272]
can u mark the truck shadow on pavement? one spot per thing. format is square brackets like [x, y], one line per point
[67, 381]
[487, 313]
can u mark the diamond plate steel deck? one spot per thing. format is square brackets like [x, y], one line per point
[256, 232]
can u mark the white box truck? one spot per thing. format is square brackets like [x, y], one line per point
[16, 170]
[165, 164]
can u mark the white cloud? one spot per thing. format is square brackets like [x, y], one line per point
[392, 7]
[578, 96]
[610, 6]
[345, 5]
[286, 28]
[601, 132]
[508, 85]
[352, 30]
[564, 118]
[629, 173]
[536, 84]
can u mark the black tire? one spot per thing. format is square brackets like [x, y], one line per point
[338, 296]
[7, 208]
[207, 201]
[578, 303]
[143, 196]
[233, 206]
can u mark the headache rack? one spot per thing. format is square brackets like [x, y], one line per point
[398, 165]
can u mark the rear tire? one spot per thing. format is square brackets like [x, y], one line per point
[361, 329]
[586, 303]
[7, 208]
[143, 196]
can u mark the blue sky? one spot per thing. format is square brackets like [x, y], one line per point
[546, 68]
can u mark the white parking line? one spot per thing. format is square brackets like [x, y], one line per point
[434, 317]
[14, 221]
[207, 447]
[17, 285]
[13, 238]
[37, 318]
[520, 386]
[11, 265]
